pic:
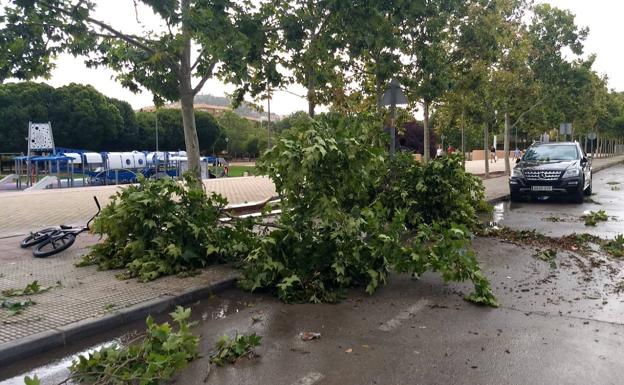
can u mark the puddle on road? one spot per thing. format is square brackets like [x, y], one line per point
[52, 366]
[220, 313]
[555, 217]
[492, 220]
[498, 214]
[56, 371]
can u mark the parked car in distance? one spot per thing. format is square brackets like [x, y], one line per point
[560, 168]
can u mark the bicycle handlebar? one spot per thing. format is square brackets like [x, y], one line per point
[97, 203]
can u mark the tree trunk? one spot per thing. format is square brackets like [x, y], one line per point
[269, 121]
[598, 147]
[311, 104]
[190, 134]
[426, 150]
[506, 144]
[311, 97]
[611, 146]
[486, 147]
[187, 97]
[463, 147]
[378, 95]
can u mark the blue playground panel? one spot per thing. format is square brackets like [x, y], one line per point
[124, 176]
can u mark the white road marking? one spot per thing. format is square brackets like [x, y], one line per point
[402, 316]
[310, 379]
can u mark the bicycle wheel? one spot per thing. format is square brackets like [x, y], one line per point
[38, 237]
[54, 245]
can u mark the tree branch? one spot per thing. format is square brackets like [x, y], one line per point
[130, 39]
[169, 28]
[527, 111]
[120, 35]
[205, 78]
[136, 11]
[201, 54]
[321, 27]
[292, 93]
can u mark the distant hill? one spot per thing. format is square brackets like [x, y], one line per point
[245, 110]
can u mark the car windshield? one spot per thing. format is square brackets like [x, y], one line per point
[551, 153]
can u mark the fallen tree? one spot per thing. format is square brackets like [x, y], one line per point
[350, 215]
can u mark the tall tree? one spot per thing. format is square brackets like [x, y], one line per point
[555, 42]
[371, 40]
[481, 46]
[81, 117]
[307, 37]
[428, 31]
[201, 39]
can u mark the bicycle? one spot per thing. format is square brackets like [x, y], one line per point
[53, 240]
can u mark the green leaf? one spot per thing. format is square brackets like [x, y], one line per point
[32, 381]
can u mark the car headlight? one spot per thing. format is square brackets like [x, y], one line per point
[516, 173]
[571, 173]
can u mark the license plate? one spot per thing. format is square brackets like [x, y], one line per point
[541, 188]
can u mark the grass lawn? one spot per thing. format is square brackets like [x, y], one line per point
[239, 170]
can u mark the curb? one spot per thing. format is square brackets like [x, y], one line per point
[606, 165]
[67, 334]
[498, 199]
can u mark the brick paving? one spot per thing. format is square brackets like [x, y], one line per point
[83, 293]
[21, 212]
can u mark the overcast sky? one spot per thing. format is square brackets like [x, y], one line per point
[603, 17]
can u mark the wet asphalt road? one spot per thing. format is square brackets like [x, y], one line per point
[556, 325]
[557, 216]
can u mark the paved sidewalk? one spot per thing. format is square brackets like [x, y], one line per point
[21, 211]
[83, 300]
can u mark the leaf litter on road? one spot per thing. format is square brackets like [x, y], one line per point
[309, 336]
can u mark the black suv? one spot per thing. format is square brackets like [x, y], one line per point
[560, 168]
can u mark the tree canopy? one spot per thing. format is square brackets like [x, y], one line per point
[83, 118]
[499, 66]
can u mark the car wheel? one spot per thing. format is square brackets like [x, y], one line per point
[588, 190]
[515, 196]
[578, 196]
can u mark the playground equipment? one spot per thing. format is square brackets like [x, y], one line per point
[47, 166]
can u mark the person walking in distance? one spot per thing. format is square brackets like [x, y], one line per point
[439, 151]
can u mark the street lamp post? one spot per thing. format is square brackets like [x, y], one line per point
[393, 96]
[269, 118]
[156, 118]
